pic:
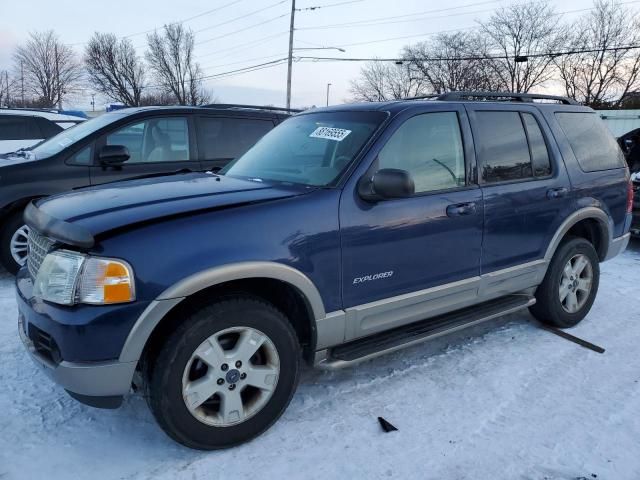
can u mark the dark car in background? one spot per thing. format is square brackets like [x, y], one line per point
[120, 145]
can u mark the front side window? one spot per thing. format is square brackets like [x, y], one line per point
[228, 138]
[154, 140]
[502, 147]
[309, 149]
[429, 147]
[592, 144]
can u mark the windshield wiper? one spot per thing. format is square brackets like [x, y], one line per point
[153, 175]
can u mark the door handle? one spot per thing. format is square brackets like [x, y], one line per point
[460, 209]
[557, 192]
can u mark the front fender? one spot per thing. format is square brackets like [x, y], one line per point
[173, 295]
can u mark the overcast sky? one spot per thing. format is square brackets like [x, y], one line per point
[238, 35]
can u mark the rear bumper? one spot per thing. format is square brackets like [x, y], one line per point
[617, 246]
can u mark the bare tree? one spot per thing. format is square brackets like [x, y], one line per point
[514, 33]
[170, 56]
[453, 62]
[114, 69]
[380, 81]
[50, 67]
[602, 72]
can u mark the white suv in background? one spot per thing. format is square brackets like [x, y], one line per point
[22, 128]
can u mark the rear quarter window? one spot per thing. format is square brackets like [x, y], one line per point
[592, 144]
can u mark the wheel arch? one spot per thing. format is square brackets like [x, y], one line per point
[591, 223]
[270, 280]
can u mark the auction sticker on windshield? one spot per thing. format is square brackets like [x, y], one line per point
[329, 133]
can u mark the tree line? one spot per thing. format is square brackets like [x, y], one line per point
[521, 48]
[45, 70]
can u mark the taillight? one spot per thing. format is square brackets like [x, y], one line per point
[630, 197]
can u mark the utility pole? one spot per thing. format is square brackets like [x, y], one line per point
[290, 60]
[55, 49]
[6, 77]
[93, 102]
[328, 85]
[22, 81]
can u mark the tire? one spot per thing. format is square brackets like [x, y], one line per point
[549, 308]
[9, 228]
[206, 427]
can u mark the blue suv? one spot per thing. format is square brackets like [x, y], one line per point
[343, 234]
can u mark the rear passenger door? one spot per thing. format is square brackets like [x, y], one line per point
[223, 139]
[526, 191]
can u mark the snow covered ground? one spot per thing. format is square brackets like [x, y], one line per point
[508, 401]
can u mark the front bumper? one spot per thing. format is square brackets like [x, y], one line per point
[53, 337]
[100, 384]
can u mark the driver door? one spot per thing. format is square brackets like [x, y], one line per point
[156, 145]
[405, 259]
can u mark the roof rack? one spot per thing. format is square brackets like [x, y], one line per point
[507, 96]
[230, 106]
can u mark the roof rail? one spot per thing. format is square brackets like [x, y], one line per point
[230, 106]
[423, 97]
[519, 97]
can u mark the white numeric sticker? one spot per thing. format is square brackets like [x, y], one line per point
[337, 134]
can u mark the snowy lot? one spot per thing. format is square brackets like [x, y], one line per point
[508, 401]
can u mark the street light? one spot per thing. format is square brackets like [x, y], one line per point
[328, 85]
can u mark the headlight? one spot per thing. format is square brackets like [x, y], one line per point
[67, 278]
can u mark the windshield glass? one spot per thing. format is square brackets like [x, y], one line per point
[71, 135]
[310, 149]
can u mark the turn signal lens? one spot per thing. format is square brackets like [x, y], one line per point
[106, 281]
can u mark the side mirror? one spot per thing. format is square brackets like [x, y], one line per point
[113, 155]
[387, 183]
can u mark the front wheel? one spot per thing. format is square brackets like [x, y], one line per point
[225, 375]
[569, 288]
[13, 243]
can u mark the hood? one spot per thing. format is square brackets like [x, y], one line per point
[96, 210]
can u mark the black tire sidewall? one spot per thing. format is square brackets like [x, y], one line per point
[165, 384]
[9, 227]
[548, 308]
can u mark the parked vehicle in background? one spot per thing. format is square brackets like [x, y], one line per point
[23, 128]
[123, 144]
[345, 233]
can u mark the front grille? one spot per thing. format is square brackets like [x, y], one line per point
[39, 246]
[44, 344]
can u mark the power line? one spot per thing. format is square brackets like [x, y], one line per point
[472, 57]
[317, 7]
[208, 12]
[242, 29]
[242, 17]
[386, 18]
[244, 45]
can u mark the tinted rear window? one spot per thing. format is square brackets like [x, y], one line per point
[18, 127]
[228, 138]
[503, 147]
[592, 144]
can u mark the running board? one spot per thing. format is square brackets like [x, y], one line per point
[414, 333]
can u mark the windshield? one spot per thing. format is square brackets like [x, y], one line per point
[310, 149]
[71, 135]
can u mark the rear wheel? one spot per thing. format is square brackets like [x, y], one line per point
[225, 375]
[13, 243]
[569, 288]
